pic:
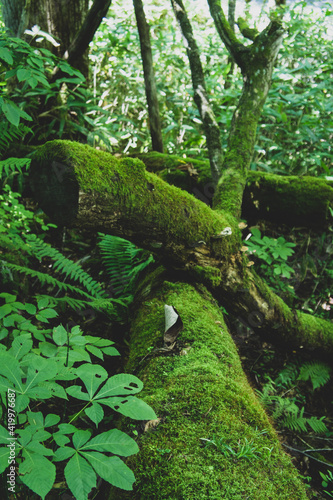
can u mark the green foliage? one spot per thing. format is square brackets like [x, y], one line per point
[245, 449]
[327, 480]
[16, 235]
[123, 262]
[281, 396]
[274, 252]
[294, 135]
[318, 373]
[37, 365]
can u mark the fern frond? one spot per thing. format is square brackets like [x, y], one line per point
[299, 423]
[9, 133]
[287, 376]
[105, 305]
[46, 279]
[11, 166]
[123, 262]
[70, 269]
[319, 373]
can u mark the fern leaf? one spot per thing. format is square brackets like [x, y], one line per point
[47, 279]
[319, 373]
[123, 262]
[70, 269]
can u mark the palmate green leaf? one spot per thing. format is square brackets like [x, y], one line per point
[38, 473]
[113, 441]
[111, 469]
[92, 377]
[130, 406]
[80, 477]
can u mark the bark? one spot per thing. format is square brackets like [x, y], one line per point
[77, 185]
[61, 19]
[199, 391]
[209, 122]
[256, 63]
[150, 85]
[289, 200]
[79, 45]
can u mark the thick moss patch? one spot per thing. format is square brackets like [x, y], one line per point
[200, 392]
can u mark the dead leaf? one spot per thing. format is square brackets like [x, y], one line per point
[173, 325]
[151, 424]
[242, 225]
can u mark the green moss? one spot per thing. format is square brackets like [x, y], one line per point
[123, 189]
[200, 392]
[208, 274]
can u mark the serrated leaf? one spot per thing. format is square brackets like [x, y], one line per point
[111, 469]
[80, 477]
[37, 473]
[113, 441]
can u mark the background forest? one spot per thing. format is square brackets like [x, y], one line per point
[69, 297]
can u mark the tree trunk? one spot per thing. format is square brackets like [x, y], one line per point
[209, 123]
[199, 393]
[150, 85]
[257, 73]
[61, 19]
[77, 185]
[290, 200]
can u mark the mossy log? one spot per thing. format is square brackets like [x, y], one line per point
[79, 186]
[290, 200]
[199, 392]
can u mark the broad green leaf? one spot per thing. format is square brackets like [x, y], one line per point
[37, 447]
[61, 439]
[37, 473]
[60, 335]
[20, 346]
[10, 368]
[121, 384]
[76, 392]
[23, 74]
[4, 456]
[11, 112]
[92, 377]
[113, 441]
[111, 469]
[130, 407]
[6, 55]
[95, 413]
[80, 438]
[63, 453]
[80, 477]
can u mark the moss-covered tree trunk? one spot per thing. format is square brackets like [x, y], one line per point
[200, 393]
[290, 200]
[77, 185]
